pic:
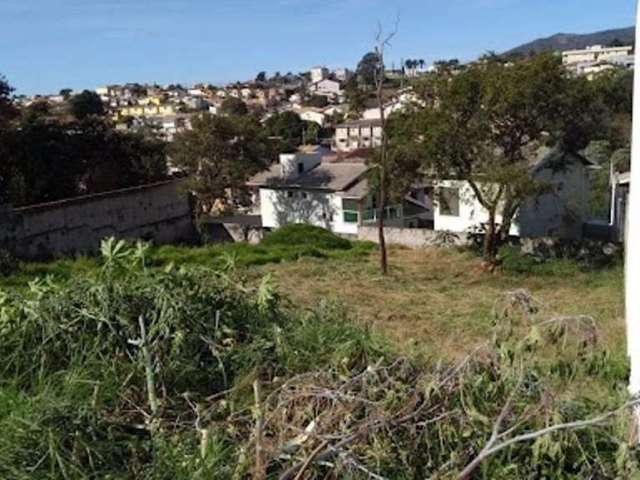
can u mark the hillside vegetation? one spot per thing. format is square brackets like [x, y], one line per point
[571, 41]
[178, 363]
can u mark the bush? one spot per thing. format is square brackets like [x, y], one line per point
[567, 258]
[299, 235]
[75, 350]
[513, 261]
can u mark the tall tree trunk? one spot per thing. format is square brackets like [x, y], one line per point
[489, 247]
[508, 212]
[384, 268]
[382, 167]
[632, 267]
[490, 203]
[382, 201]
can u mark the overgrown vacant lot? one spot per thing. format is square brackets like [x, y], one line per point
[436, 301]
[440, 300]
[271, 361]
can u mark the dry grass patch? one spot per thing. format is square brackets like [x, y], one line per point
[440, 302]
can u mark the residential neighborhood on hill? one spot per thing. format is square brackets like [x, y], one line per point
[407, 257]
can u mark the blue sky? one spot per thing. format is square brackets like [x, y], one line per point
[50, 44]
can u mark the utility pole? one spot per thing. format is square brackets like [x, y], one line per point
[632, 249]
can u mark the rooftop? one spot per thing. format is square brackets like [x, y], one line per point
[332, 176]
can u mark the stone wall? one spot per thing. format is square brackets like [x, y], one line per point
[158, 212]
[412, 237]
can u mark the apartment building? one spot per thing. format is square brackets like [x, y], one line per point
[358, 134]
[595, 53]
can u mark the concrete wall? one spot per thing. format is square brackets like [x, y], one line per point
[562, 212]
[412, 237]
[231, 233]
[159, 212]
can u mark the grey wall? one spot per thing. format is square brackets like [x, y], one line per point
[159, 212]
[412, 237]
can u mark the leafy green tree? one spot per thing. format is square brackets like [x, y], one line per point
[86, 104]
[356, 98]
[317, 101]
[66, 93]
[481, 124]
[312, 132]
[50, 160]
[261, 77]
[288, 126]
[219, 154]
[613, 152]
[367, 69]
[113, 159]
[8, 111]
[233, 106]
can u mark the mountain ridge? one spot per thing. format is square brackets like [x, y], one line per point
[572, 41]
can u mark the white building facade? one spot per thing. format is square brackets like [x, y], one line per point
[302, 188]
[559, 213]
[359, 134]
[595, 53]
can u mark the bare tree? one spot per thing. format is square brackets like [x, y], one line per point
[383, 40]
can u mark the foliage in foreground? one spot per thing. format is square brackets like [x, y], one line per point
[186, 373]
[290, 243]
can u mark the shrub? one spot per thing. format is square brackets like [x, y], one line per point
[299, 235]
[512, 260]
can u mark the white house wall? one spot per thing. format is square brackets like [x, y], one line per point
[322, 209]
[471, 213]
[560, 213]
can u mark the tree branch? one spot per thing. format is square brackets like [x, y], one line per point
[492, 448]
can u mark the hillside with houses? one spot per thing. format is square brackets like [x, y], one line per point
[383, 270]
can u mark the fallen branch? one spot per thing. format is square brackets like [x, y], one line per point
[492, 447]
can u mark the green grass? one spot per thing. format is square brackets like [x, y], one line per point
[289, 244]
[64, 269]
[72, 377]
[437, 301]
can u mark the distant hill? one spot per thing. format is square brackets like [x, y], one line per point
[571, 41]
